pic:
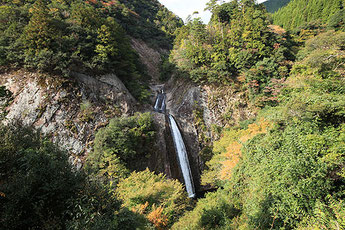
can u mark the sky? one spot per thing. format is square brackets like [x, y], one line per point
[183, 8]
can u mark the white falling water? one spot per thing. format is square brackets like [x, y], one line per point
[182, 156]
[163, 104]
[156, 104]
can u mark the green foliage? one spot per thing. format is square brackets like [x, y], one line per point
[330, 215]
[5, 93]
[121, 146]
[96, 208]
[326, 41]
[337, 21]
[38, 34]
[237, 41]
[5, 100]
[300, 12]
[156, 24]
[289, 172]
[274, 5]
[85, 36]
[36, 179]
[145, 192]
[167, 69]
[39, 189]
[212, 212]
[266, 78]
[87, 113]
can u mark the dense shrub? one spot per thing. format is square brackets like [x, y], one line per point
[290, 174]
[95, 207]
[122, 146]
[285, 170]
[327, 215]
[238, 42]
[212, 212]
[39, 189]
[36, 180]
[161, 200]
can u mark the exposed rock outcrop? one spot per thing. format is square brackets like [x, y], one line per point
[216, 106]
[68, 110]
[150, 57]
[219, 105]
[160, 161]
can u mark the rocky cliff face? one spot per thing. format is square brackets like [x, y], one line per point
[199, 109]
[181, 96]
[151, 58]
[70, 111]
[217, 105]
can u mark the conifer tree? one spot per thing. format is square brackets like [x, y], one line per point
[301, 12]
[38, 34]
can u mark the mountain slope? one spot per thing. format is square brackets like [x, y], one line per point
[300, 12]
[149, 21]
[91, 37]
[274, 5]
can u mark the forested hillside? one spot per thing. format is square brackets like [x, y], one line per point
[274, 5]
[238, 42]
[260, 108]
[303, 12]
[283, 169]
[83, 36]
[155, 15]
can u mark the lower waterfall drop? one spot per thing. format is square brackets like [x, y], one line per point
[182, 157]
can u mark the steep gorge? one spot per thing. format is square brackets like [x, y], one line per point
[72, 110]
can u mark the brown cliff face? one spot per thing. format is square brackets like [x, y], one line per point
[151, 58]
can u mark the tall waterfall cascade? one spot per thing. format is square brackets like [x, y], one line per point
[160, 106]
[182, 157]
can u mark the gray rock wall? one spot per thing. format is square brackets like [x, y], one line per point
[68, 110]
[220, 106]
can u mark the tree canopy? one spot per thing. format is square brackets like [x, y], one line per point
[84, 36]
[274, 5]
[285, 168]
[40, 189]
[301, 12]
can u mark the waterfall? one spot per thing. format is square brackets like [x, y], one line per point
[163, 105]
[156, 104]
[160, 105]
[182, 156]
